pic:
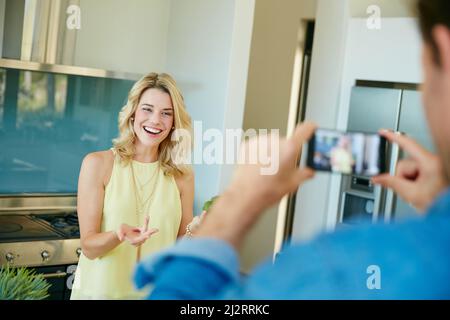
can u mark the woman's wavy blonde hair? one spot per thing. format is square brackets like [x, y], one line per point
[124, 144]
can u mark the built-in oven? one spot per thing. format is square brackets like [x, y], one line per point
[60, 279]
[43, 236]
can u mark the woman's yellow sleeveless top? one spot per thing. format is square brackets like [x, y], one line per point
[111, 276]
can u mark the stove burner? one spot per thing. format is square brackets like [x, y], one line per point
[10, 227]
[59, 223]
[72, 219]
[66, 223]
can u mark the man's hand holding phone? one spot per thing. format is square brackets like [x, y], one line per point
[250, 192]
[419, 178]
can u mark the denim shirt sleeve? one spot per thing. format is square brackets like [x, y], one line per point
[196, 268]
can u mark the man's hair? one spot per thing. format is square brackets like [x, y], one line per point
[432, 13]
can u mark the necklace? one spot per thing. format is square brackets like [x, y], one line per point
[141, 186]
[142, 205]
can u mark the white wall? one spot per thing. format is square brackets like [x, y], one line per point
[200, 39]
[123, 35]
[389, 54]
[238, 75]
[327, 65]
[270, 76]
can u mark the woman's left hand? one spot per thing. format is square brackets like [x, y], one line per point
[196, 222]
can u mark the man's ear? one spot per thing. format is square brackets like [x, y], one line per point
[441, 36]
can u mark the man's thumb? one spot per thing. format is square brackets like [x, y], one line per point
[384, 180]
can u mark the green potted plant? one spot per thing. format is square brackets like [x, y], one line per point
[195, 223]
[22, 284]
[209, 203]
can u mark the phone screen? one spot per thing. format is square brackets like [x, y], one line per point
[347, 152]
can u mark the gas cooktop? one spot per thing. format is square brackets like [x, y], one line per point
[65, 223]
[33, 227]
[39, 238]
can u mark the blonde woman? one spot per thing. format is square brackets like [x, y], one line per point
[133, 199]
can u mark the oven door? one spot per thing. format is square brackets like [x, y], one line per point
[60, 279]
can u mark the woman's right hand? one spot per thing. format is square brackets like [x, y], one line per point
[418, 179]
[196, 222]
[134, 235]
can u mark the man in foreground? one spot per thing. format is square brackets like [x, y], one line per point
[412, 257]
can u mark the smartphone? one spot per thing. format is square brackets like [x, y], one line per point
[355, 153]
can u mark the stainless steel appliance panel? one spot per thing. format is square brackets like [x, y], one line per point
[373, 108]
[412, 119]
[40, 253]
[413, 123]
[359, 207]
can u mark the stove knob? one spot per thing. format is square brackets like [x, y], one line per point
[45, 255]
[78, 252]
[10, 257]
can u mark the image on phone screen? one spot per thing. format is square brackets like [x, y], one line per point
[347, 152]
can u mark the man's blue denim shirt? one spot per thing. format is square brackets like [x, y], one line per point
[404, 260]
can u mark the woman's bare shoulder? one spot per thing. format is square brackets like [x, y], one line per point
[187, 176]
[99, 159]
[185, 180]
[99, 164]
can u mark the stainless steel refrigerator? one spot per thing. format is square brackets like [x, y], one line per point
[373, 106]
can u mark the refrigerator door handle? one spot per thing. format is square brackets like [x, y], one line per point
[390, 195]
[377, 203]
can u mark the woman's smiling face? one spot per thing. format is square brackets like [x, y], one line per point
[153, 119]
